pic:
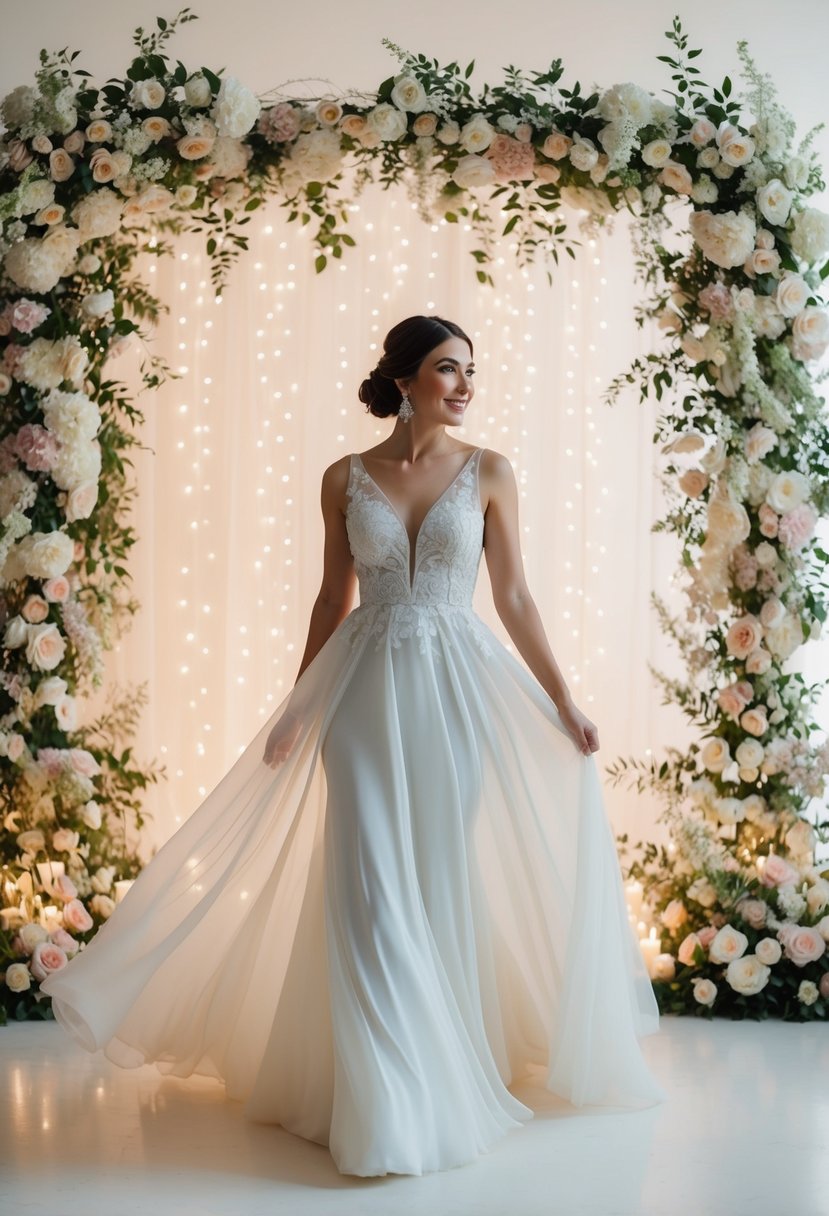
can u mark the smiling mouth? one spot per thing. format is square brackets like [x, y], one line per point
[450, 401]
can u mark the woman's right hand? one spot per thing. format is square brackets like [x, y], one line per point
[282, 738]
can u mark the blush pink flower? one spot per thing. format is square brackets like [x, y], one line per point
[777, 871]
[84, 762]
[796, 527]
[769, 521]
[800, 944]
[46, 958]
[25, 315]
[706, 935]
[513, 160]
[716, 299]
[36, 447]
[12, 357]
[50, 760]
[75, 916]
[8, 454]
[65, 940]
[279, 124]
[64, 889]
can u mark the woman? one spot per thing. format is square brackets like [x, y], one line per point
[404, 895]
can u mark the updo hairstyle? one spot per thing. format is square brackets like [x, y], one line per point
[405, 347]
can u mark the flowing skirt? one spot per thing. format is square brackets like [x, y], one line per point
[418, 907]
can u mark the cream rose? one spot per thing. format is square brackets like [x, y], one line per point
[674, 915]
[16, 633]
[749, 753]
[810, 333]
[76, 917]
[754, 721]
[743, 636]
[408, 94]
[768, 951]
[792, 294]
[693, 482]
[556, 145]
[472, 171]
[705, 991]
[747, 975]
[800, 944]
[687, 950]
[18, 977]
[476, 134]
[386, 122]
[676, 177]
[147, 94]
[715, 755]
[197, 91]
[31, 936]
[728, 944]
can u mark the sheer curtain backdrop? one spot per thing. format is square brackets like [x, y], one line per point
[230, 551]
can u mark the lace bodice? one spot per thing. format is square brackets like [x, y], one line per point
[446, 559]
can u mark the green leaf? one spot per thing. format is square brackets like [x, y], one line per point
[320, 263]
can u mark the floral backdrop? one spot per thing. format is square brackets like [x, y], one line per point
[734, 910]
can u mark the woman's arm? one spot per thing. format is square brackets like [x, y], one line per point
[511, 595]
[336, 591]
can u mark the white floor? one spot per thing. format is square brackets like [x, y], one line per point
[745, 1133]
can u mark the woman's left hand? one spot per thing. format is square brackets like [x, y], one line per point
[584, 733]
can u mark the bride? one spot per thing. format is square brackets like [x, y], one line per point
[404, 896]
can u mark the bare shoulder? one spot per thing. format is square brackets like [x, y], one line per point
[335, 482]
[496, 475]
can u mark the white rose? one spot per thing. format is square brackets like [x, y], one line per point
[103, 879]
[747, 975]
[16, 634]
[715, 755]
[792, 293]
[584, 154]
[98, 303]
[235, 109]
[749, 753]
[730, 810]
[66, 713]
[738, 151]
[197, 91]
[768, 951]
[784, 640]
[796, 173]
[774, 202]
[657, 153]
[102, 905]
[788, 490]
[408, 94]
[449, 133]
[18, 977]
[91, 815]
[729, 943]
[810, 333]
[664, 967]
[81, 501]
[45, 647]
[472, 171]
[705, 991]
[674, 915]
[772, 612]
[476, 134]
[32, 935]
[51, 690]
[147, 94]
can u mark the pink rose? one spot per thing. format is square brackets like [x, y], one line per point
[84, 762]
[50, 760]
[800, 944]
[685, 954]
[36, 447]
[35, 610]
[46, 958]
[753, 912]
[706, 935]
[75, 916]
[777, 872]
[64, 889]
[65, 940]
[769, 521]
[733, 699]
[56, 590]
[513, 160]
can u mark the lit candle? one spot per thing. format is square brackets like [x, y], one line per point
[650, 947]
[121, 887]
[634, 892]
[50, 918]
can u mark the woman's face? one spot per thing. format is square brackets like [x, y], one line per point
[443, 387]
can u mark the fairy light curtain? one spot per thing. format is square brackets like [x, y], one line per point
[230, 555]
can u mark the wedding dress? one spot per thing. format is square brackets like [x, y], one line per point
[419, 906]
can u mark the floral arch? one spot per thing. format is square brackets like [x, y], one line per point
[737, 905]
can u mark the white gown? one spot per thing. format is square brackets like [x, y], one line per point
[421, 905]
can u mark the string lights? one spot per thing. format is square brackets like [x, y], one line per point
[266, 397]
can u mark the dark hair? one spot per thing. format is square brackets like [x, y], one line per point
[405, 347]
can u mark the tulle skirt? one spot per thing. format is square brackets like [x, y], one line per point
[418, 907]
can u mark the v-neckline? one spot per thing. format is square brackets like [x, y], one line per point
[412, 553]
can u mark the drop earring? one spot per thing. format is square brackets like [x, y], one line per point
[405, 412]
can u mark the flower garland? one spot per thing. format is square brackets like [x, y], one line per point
[90, 178]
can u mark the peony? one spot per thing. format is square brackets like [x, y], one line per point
[73, 417]
[797, 527]
[810, 236]
[36, 447]
[801, 945]
[705, 991]
[235, 108]
[472, 171]
[728, 944]
[26, 315]
[629, 102]
[785, 638]
[98, 214]
[84, 762]
[725, 239]
[38, 264]
[18, 977]
[46, 554]
[230, 157]
[31, 935]
[747, 975]
[76, 917]
[716, 299]
[317, 156]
